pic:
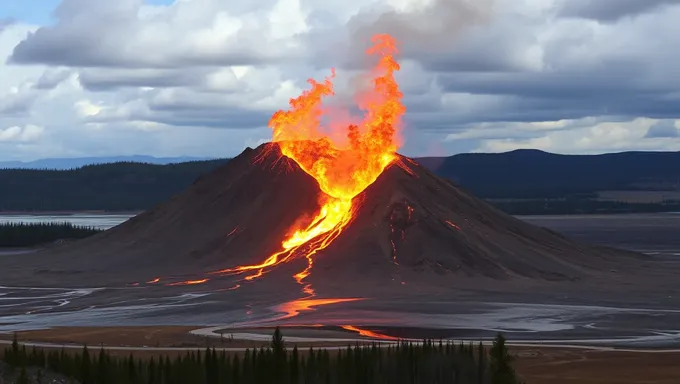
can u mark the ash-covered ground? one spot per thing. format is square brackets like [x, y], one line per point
[609, 316]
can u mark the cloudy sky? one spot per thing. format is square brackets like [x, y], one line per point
[202, 77]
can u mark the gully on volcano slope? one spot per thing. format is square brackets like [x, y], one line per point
[343, 159]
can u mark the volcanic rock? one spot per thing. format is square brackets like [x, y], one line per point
[410, 227]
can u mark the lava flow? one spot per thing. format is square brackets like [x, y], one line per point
[343, 163]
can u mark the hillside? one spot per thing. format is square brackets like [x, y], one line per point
[111, 187]
[518, 182]
[77, 162]
[537, 174]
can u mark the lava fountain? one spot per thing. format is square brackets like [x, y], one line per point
[343, 163]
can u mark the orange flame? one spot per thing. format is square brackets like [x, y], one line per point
[343, 169]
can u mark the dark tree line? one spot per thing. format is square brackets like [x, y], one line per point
[532, 174]
[31, 234]
[108, 187]
[573, 206]
[523, 174]
[428, 363]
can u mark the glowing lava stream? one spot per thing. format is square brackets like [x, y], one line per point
[342, 167]
[368, 333]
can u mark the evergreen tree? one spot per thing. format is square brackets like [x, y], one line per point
[481, 364]
[294, 366]
[86, 367]
[131, 370]
[278, 345]
[500, 369]
[23, 377]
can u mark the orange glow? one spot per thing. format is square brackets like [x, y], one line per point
[451, 223]
[293, 308]
[343, 160]
[367, 333]
[188, 282]
[154, 281]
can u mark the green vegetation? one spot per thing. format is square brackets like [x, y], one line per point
[429, 362]
[32, 234]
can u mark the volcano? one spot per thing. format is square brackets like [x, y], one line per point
[410, 229]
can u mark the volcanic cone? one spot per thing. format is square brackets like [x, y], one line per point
[410, 228]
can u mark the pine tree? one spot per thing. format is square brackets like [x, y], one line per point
[23, 377]
[235, 373]
[278, 345]
[294, 366]
[500, 369]
[86, 367]
[481, 364]
[151, 372]
[131, 370]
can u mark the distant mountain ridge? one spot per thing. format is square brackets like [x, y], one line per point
[518, 182]
[77, 162]
[538, 174]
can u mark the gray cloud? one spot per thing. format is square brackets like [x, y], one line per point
[90, 34]
[16, 104]
[663, 129]
[51, 78]
[421, 32]
[110, 79]
[466, 65]
[611, 10]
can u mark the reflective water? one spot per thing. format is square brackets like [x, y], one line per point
[97, 220]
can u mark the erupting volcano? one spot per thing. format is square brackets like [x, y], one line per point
[332, 205]
[341, 169]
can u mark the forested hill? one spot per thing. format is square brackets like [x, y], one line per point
[537, 174]
[113, 187]
[520, 182]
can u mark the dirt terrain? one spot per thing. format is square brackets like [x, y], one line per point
[578, 366]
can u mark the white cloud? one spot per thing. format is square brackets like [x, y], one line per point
[202, 77]
[585, 136]
[23, 134]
